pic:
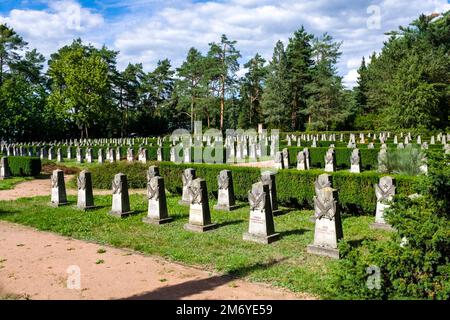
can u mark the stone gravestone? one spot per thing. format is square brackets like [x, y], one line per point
[355, 161]
[384, 191]
[382, 156]
[199, 214]
[268, 178]
[330, 160]
[153, 171]
[130, 155]
[4, 168]
[85, 199]
[301, 161]
[328, 226]
[157, 204]
[79, 155]
[261, 227]
[100, 156]
[142, 157]
[278, 161]
[225, 194]
[111, 155]
[59, 197]
[306, 152]
[286, 158]
[59, 156]
[159, 154]
[187, 177]
[89, 155]
[121, 199]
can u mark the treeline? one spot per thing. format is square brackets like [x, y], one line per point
[83, 94]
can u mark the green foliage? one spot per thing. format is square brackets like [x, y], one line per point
[407, 84]
[414, 263]
[404, 161]
[24, 166]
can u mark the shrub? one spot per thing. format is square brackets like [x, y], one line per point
[24, 166]
[414, 263]
[295, 188]
[404, 161]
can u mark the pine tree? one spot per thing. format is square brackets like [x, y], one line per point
[299, 64]
[275, 99]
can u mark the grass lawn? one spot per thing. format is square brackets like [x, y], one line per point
[284, 263]
[9, 183]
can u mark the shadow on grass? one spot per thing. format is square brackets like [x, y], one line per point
[356, 243]
[229, 223]
[293, 232]
[192, 287]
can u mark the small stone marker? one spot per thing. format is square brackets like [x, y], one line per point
[385, 191]
[330, 160]
[59, 197]
[157, 204]
[301, 161]
[328, 226]
[268, 178]
[286, 158]
[5, 173]
[355, 161]
[187, 177]
[85, 199]
[199, 214]
[121, 199]
[225, 194]
[261, 227]
[278, 161]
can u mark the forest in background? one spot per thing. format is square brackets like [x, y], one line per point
[83, 94]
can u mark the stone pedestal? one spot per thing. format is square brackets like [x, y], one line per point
[4, 168]
[384, 191]
[59, 197]
[85, 194]
[199, 214]
[330, 161]
[226, 200]
[157, 204]
[268, 178]
[328, 226]
[187, 177]
[121, 200]
[261, 227]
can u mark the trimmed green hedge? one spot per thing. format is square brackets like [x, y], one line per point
[24, 166]
[295, 188]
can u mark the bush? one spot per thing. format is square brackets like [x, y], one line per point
[295, 188]
[404, 161]
[24, 166]
[414, 263]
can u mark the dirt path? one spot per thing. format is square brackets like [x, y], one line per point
[34, 264]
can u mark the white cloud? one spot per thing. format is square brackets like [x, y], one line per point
[56, 26]
[349, 80]
[149, 30]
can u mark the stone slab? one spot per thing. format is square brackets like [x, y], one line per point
[261, 239]
[156, 221]
[323, 251]
[198, 228]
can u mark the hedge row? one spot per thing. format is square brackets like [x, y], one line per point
[295, 188]
[24, 166]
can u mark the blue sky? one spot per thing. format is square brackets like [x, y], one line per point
[148, 30]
